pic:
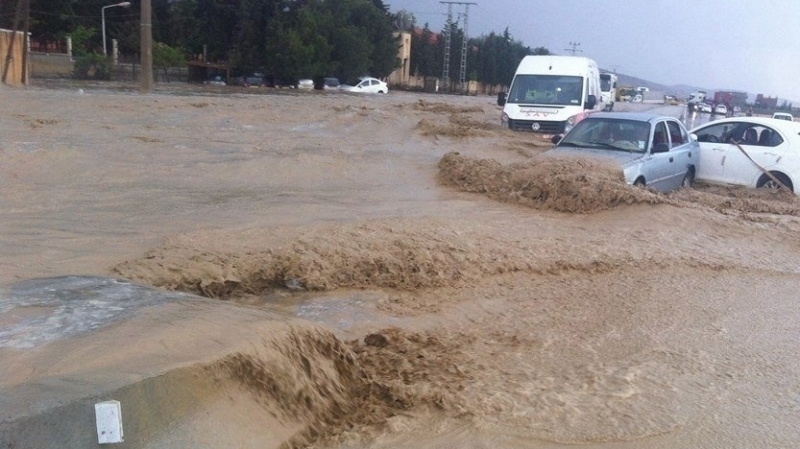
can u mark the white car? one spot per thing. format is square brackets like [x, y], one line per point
[368, 85]
[705, 107]
[305, 83]
[783, 116]
[721, 109]
[750, 151]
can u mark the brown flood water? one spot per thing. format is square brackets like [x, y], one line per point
[419, 277]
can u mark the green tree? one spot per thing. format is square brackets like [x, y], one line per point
[165, 57]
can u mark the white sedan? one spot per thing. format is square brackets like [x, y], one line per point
[368, 85]
[750, 151]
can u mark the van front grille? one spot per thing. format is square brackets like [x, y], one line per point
[544, 126]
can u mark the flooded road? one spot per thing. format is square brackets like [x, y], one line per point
[299, 270]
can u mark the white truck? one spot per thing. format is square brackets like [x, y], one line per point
[696, 99]
[550, 94]
[608, 90]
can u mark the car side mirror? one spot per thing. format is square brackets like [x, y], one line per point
[501, 98]
[557, 138]
[693, 136]
[660, 148]
[591, 101]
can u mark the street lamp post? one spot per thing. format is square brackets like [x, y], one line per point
[103, 18]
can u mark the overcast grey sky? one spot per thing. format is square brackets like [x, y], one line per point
[748, 45]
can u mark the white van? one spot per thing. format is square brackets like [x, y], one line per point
[549, 94]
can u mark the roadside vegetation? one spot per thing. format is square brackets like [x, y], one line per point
[281, 38]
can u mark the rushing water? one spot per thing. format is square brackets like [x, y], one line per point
[359, 302]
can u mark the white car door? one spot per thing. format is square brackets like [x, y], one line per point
[739, 168]
[713, 148]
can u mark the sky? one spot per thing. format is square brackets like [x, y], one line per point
[743, 45]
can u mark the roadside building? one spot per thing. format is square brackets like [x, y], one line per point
[402, 75]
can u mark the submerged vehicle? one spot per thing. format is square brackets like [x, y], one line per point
[652, 150]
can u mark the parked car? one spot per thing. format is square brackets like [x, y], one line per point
[280, 83]
[252, 80]
[652, 150]
[368, 85]
[741, 150]
[305, 83]
[721, 109]
[705, 107]
[217, 80]
[783, 116]
[330, 83]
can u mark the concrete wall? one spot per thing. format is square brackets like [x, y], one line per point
[50, 65]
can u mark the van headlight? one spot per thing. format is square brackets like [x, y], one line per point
[569, 125]
[504, 120]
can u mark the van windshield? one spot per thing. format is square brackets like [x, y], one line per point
[547, 89]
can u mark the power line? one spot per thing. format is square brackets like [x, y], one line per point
[574, 48]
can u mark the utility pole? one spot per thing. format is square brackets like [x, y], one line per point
[448, 39]
[574, 48]
[146, 46]
[448, 30]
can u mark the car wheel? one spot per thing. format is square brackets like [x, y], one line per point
[639, 182]
[381, 92]
[688, 178]
[768, 183]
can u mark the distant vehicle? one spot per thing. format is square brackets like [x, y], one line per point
[705, 107]
[252, 80]
[331, 83]
[636, 98]
[771, 144]
[368, 84]
[305, 83]
[696, 99]
[783, 116]
[608, 90]
[216, 81]
[721, 109]
[551, 94]
[652, 150]
[279, 83]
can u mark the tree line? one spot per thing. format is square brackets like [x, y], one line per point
[286, 38]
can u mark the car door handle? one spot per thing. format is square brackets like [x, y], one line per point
[671, 159]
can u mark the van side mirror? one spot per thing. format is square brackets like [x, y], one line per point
[660, 148]
[591, 102]
[501, 99]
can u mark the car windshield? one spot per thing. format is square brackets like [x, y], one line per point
[547, 89]
[609, 134]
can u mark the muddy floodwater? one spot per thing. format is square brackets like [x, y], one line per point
[417, 276]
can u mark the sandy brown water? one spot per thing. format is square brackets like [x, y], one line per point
[422, 278]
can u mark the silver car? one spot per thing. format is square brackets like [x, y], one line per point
[652, 150]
